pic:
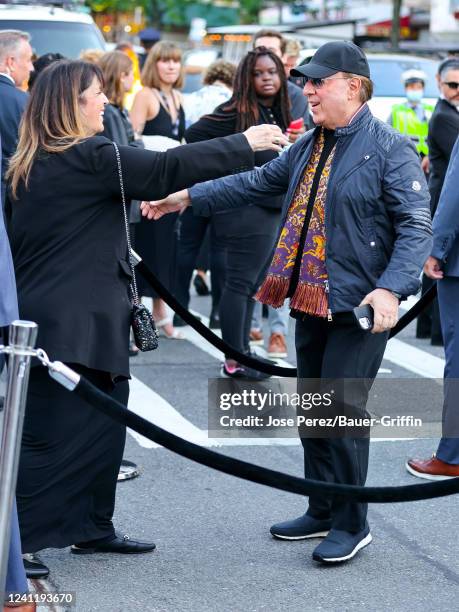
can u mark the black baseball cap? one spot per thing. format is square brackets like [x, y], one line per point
[333, 57]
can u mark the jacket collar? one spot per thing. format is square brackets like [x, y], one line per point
[5, 79]
[360, 120]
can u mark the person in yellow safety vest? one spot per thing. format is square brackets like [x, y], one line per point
[412, 116]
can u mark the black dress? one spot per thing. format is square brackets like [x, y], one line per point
[69, 249]
[156, 242]
[247, 235]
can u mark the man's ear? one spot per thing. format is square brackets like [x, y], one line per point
[354, 86]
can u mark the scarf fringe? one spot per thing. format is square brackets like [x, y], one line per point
[273, 291]
[311, 299]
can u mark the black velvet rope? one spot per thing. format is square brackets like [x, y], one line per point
[247, 360]
[415, 311]
[254, 473]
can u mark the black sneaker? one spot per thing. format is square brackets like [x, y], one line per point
[341, 546]
[301, 528]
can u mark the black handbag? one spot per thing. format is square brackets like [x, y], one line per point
[142, 322]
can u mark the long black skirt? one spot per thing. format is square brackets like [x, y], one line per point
[69, 464]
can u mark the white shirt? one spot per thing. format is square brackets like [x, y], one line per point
[8, 77]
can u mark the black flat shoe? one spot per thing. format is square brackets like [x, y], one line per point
[200, 285]
[35, 570]
[122, 545]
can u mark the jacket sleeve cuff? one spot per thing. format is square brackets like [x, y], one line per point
[441, 247]
[401, 283]
[199, 195]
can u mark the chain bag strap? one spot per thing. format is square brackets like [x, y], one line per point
[142, 322]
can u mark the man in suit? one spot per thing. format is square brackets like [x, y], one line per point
[15, 67]
[443, 131]
[443, 266]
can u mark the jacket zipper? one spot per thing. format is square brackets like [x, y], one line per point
[351, 171]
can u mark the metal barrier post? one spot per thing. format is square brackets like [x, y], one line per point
[23, 335]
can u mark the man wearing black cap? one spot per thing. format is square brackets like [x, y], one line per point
[356, 229]
[148, 37]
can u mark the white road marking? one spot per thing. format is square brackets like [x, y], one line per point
[151, 406]
[414, 359]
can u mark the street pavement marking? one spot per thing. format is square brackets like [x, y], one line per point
[414, 359]
[151, 406]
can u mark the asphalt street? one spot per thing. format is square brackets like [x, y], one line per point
[214, 551]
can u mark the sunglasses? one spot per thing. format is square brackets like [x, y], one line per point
[318, 83]
[451, 84]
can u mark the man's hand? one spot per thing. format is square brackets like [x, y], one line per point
[425, 164]
[432, 268]
[176, 202]
[385, 306]
[263, 137]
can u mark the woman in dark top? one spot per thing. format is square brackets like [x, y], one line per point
[260, 96]
[70, 254]
[118, 73]
[158, 111]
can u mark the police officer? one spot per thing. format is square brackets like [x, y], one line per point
[412, 116]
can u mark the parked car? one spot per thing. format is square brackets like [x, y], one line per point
[53, 29]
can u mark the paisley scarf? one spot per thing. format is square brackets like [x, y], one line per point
[311, 292]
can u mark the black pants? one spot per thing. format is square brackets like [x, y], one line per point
[248, 236]
[191, 234]
[70, 459]
[338, 350]
[428, 322]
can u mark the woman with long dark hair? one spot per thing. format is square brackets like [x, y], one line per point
[69, 248]
[259, 96]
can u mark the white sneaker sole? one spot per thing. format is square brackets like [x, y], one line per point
[317, 534]
[426, 476]
[277, 355]
[359, 546]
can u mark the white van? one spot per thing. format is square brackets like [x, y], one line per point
[53, 29]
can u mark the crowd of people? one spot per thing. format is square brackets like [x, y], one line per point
[324, 208]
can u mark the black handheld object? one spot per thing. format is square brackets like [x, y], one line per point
[364, 316]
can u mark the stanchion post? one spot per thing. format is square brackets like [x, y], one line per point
[23, 335]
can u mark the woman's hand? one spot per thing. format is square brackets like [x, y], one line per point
[176, 202]
[263, 137]
[293, 135]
